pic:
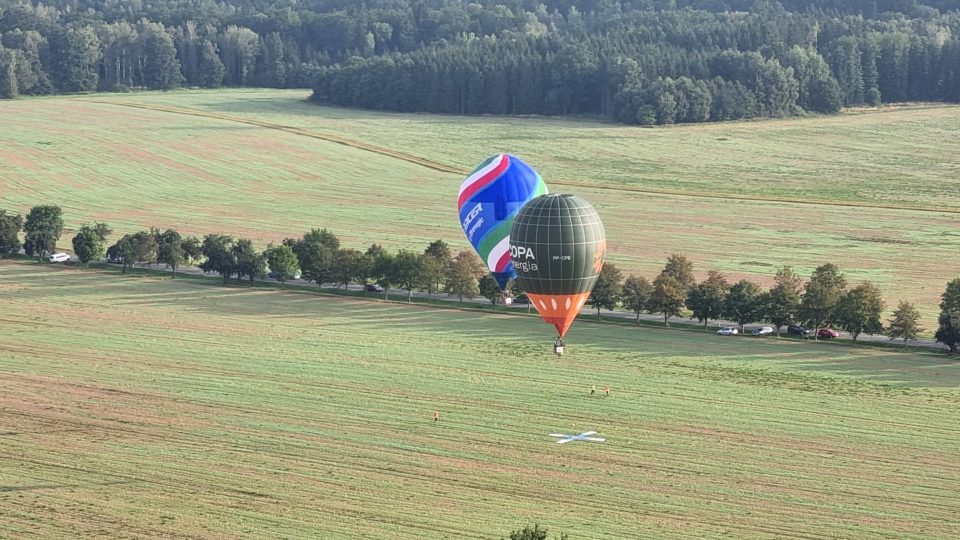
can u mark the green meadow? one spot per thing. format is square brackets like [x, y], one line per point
[896, 156]
[867, 190]
[138, 406]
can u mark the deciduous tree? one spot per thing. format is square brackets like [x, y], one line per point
[211, 68]
[706, 299]
[408, 271]
[9, 86]
[76, 55]
[681, 269]
[250, 263]
[90, 241]
[859, 310]
[282, 262]
[820, 296]
[636, 294]
[383, 268]
[347, 266]
[10, 225]
[436, 261]
[161, 67]
[170, 250]
[950, 299]
[464, 275]
[534, 533]
[238, 50]
[121, 251]
[192, 249]
[608, 289]
[315, 252]
[490, 289]
[948, 331]
[220, 258]
[742, 303]
[143, 246]
[905, 322]
[42, 229]
[783, 300]
[668, 297]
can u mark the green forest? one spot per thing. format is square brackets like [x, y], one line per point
[635, 62]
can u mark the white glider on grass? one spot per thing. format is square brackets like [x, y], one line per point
[585, 436]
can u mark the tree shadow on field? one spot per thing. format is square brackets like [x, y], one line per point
[891, 367]
[296, 106]
[503, 330]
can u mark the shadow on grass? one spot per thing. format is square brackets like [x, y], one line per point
[487, 329]
[295, 105]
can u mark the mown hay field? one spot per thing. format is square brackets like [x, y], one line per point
[135, 406]
[895, 156]
[869, 191]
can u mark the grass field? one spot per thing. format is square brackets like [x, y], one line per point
[895, 156]
[134, 406]
[733, 197]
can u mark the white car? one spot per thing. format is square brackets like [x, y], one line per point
[728, 331]
[58, 257]
[762, 331]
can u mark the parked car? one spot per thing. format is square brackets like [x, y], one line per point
[762, 331]
[828, 333]
[59, 257]
[372, 287]
[728, 331]
[797, 330]
[521, 299]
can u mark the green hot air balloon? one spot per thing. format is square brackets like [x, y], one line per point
[557, 245]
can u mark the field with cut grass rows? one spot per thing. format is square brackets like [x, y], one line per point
[734, 197]
[140, 406]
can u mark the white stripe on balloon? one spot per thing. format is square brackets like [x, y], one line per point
[497, 252]
[480, 174]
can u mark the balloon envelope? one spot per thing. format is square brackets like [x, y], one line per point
[557, 244]
[488, 202]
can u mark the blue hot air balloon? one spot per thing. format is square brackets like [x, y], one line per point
[489, 200]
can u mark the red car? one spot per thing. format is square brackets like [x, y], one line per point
[827, 333]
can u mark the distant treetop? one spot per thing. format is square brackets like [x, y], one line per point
[635, 61]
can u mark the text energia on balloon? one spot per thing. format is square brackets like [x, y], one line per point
[529, 262]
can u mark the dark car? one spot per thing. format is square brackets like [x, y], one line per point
[521, 299]
[827, 333]
[797, 330]
[370, 287]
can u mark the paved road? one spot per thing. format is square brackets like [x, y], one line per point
[585, 312]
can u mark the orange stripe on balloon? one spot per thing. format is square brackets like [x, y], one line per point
[559, 309]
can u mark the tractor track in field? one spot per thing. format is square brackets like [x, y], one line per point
[347, 458]
[788, 411]
[674, 511]
[442, 167]
[364, 465]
